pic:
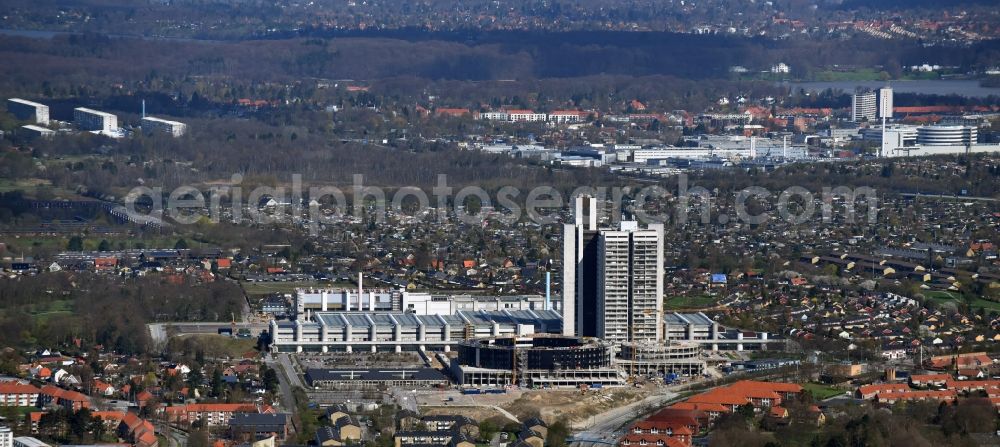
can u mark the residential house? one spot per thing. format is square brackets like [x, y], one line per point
[15, 394]
[252, 426]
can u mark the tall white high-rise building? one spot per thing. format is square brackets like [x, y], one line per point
[612, 278]
[885, 102]
[580, 269]
[864, 106]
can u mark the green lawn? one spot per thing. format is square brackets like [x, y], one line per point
[820, 391]
[689, 302]
[60, 307]
[986, 304]
[943, 296]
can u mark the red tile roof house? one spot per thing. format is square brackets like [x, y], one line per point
[758, 394]
[925, 380]
[111, 419]
[933, 395]
[102, 388]
[972, 385]
[872, 391]
[661, 430]
[712, 410]
[137, 430]
[71, 400]
[211, 414]
[694, 420]
[13, 394]
[634, 440]
[143, 398]
[33, 419]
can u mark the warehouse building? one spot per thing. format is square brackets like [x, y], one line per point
[419, 303]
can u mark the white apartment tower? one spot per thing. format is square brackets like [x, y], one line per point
[613, 278]
[152, 125]
[885, 102]
[28, 110]
[864, 106]
[89, 119]
[6, 436]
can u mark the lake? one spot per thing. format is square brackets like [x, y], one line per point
[34, 34]
[969, 88]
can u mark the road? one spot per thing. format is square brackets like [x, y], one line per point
[286, 374]
[175, 437]
[608, 426]
[293, 375]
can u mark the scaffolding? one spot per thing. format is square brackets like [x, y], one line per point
[521, 366]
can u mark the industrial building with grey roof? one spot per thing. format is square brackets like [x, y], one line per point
[402, 331]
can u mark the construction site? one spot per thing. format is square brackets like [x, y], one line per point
[655, 359]
[535, 361]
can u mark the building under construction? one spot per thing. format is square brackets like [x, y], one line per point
[536, 361]
[648, 359]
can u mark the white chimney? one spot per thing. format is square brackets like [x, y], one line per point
[361, 289]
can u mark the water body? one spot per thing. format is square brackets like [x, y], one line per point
[30, 33]
[968, 88]
[43, 34]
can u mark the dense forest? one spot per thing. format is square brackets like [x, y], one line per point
[96, 60]
[53, 310]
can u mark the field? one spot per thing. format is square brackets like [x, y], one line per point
[217, 346]
[42, 312]
[60, 307]
[689, 302]
[944, 297]
[38, 188]
[821, 392]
